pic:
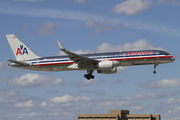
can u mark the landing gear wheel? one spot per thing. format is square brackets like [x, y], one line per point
[85, 75]
[92, 76]
[89, 76]
[154, 72]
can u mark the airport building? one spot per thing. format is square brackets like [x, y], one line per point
[118, 115]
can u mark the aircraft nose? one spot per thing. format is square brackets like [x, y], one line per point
[173, 59]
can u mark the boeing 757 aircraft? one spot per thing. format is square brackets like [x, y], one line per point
[105, 63]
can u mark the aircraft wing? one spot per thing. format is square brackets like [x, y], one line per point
[18, 62]
[81, 60]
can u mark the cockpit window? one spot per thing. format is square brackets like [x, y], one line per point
[166, 54]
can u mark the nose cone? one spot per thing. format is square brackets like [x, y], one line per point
[172, 59]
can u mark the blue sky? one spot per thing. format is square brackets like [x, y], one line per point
[88, 26]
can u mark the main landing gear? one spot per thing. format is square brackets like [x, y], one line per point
[155, 68]
[89, 75]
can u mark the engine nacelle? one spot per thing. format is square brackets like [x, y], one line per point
[105, 65]
[113, 70]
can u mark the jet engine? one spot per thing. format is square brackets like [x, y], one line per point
[113, 70]
[105, 65]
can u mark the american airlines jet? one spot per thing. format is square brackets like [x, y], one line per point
[105, 63]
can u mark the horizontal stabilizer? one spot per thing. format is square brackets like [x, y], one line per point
[18, 62]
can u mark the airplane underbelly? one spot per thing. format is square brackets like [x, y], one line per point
[144, 62]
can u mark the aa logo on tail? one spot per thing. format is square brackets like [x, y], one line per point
[22, 50]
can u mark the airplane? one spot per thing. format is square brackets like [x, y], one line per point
[105, 63]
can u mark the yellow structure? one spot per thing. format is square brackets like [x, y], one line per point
[118, 115]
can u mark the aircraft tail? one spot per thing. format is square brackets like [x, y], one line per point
[20, 50]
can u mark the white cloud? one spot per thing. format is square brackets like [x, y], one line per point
[132, 7]
[136, 108]
[72, 15]
[114, 104]
[140, 44]
[81, 1]
[175, 110]
[29, 80]
[152, 95]
[43, 104]
[84, 83]
[168, 2]
[46, 28]
[33, 114]
[105, 26]
[13, 93]
[173, 101]
[4, 65]
[68, 99]
[6, 100]
[163, 83]
[28, 0]
[24, 104]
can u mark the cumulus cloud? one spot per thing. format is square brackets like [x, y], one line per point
[46, 28]
[152, 95]
[173, 101]
[174, 110]
[98, 27]
[43, 104]
[69, 98]
[163, 83]
[140, 44]
[114, 104]
[24, 104]
[30, 80]
[96, 92]
[136, 108]
[28, 0]
[132, 7]
[81, 1]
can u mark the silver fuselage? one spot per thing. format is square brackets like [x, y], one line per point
[127, 58]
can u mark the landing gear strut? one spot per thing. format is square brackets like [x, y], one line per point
[155, 68]
[89, 75]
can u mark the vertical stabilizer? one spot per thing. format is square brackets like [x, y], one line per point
[20, 50]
